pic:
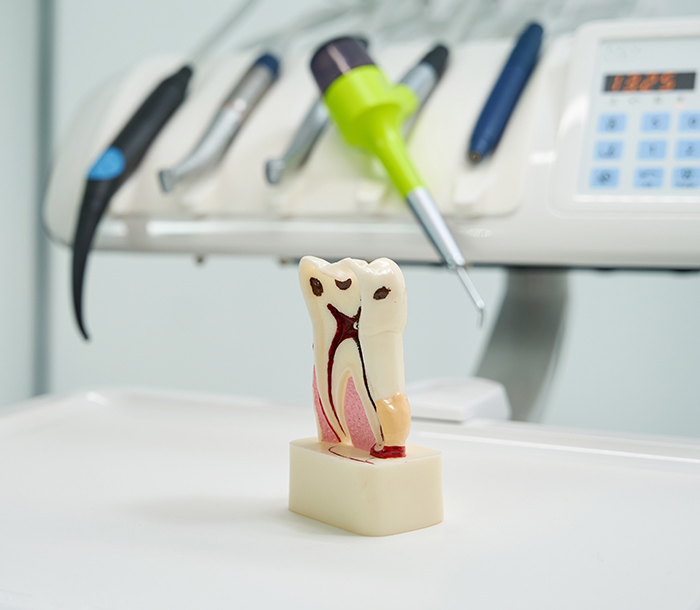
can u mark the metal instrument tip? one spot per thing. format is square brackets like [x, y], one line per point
[274, 169]
[473, 294]
[168, 180]
[475, 157]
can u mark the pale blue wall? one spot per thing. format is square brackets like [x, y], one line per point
[19, 192]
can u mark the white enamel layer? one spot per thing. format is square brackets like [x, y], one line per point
[381, 325]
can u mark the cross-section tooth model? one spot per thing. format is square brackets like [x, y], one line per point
[360, 474]
[358, 311]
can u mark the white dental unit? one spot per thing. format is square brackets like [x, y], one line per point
[614, 167]
[153, 499]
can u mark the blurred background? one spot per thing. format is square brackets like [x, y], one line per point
[630, 355]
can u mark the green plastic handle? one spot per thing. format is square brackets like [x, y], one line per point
[369, 111]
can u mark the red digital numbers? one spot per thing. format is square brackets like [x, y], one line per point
[653, 81]
[617, 82]
[668, 82]
[632, 82]
[649, 82]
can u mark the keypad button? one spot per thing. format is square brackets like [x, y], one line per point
[612, 123]
[686, 177]
[608, 150]
[688, 149]
[656, 121]
[604, 178]
[689, 121]
[648, 177]
[651, 149]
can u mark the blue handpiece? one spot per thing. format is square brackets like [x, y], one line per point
[505, 93]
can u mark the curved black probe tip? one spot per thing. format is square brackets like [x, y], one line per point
[95, 202]
[80, 253]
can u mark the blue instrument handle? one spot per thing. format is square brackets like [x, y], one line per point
[505, 93]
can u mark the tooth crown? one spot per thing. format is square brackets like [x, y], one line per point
[382, 294]
[332, 284]
[358, 313]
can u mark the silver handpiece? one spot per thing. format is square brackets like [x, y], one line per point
[302, 143]
[428, 215]
[422, 80]
[233, 113]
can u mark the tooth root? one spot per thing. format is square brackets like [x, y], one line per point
[342, 370]
[348, 364]
[382, 322]
[325, 431]
[395, 415]
[383, 356]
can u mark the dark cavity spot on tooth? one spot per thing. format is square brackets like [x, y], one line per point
[316, 286]
[381, 293]
[343, 285]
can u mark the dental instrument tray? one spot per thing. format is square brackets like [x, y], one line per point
[599, 165]
[134, 499]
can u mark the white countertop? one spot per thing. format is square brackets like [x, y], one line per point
[132, 499]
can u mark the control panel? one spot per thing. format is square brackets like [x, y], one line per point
[629, 136]
[643, 128]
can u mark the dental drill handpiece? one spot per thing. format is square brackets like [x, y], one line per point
[368, 111]
[123, 156]
[305, 137]
[314, 124]
[241, 102]
[422, 79]
[231, 116]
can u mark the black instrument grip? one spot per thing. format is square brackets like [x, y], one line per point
[138, 134]
[116, 165]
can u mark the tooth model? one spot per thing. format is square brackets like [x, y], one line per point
[359, 474]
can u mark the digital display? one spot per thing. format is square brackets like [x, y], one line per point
[652, 81]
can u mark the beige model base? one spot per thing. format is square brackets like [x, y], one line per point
[345, 487]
